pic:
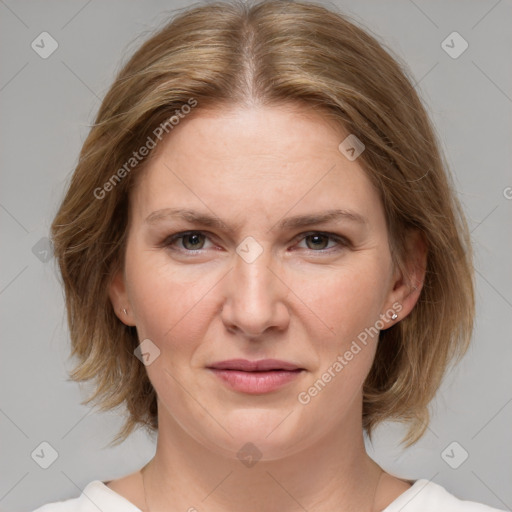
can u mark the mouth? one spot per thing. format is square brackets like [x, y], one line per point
[256, 377]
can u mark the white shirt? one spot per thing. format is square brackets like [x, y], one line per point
[422, 496]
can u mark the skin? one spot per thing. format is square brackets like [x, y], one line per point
[304, 300]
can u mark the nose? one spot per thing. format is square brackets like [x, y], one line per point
[255, 297]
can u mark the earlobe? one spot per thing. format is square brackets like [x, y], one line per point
[119, 299]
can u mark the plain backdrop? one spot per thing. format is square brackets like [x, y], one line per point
[46, 105]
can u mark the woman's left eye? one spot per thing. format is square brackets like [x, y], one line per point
[320, 241]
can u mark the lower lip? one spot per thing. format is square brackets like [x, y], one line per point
[256, 382]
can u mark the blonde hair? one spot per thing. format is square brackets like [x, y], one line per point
[269, 53]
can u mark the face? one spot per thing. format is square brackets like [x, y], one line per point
[253, 237]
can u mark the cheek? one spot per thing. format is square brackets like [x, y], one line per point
[349, 302]
[346, 301]
[168, 301]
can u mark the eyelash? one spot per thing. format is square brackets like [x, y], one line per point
[341, 241]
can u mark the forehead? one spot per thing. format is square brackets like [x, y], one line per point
[272, 137]
[259, 158]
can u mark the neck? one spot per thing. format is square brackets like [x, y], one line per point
[335, 473]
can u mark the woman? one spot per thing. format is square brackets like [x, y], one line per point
[263, 259]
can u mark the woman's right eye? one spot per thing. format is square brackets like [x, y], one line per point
[189, 241]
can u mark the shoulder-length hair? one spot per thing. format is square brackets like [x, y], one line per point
[268, 53]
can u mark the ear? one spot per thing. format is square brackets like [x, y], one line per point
[119, 299]
[409, 277]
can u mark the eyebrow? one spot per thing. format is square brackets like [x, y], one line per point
[299, 221]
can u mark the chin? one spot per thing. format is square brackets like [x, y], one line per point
[259, 433]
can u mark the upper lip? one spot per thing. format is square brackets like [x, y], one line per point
[254, 366]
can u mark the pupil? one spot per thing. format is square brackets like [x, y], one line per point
[193, 239]
[318, 240]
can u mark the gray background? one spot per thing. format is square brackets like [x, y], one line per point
[46, 105]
